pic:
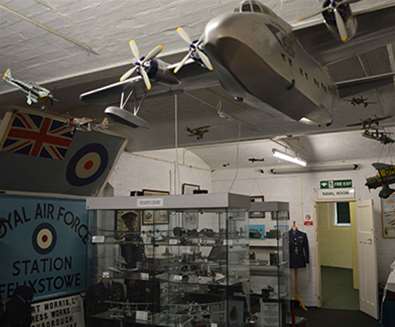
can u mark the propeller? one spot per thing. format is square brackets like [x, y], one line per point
[140, 63]
[341, 26]
[194, 49]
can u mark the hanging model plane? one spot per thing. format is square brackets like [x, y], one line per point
[34, 92]
[358, 101]
[254, 160]
[378, 135]
[254, 55]
[198, 132]
[372, 130]
[370, 122]
[384, 178]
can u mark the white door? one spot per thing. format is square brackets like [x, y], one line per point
[367, 255]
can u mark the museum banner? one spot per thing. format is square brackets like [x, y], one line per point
[43, 244]
[35, 158]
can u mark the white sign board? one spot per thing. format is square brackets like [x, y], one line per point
[63, 312]
[150, 203]
[337, 194]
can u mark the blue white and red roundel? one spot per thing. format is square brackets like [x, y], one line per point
[44, 238]
[87, 165]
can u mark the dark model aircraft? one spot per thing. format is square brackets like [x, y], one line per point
[384, 178]
[357, 101]
[198, 131]
[253, 160]
[378, 135]
[370, 122]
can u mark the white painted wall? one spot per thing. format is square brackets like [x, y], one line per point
[300, 190]
[158, 170]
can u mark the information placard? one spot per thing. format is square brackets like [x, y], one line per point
[62, 312]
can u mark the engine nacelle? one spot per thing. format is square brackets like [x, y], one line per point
[345, 12]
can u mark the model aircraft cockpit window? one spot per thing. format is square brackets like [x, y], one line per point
[246, 7]
[254, 6]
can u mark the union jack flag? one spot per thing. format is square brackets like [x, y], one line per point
[36, 135]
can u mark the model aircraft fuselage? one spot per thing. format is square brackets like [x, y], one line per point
[384, 178]
[34, 93]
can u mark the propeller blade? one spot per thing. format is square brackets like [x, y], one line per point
[347, 2]
[184, 35]
[129, 73]
[135, 49]
[341, 27]
[182, 62]
[146, 79]
[205, 59]
[153, 53]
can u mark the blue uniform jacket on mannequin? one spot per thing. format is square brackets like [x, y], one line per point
[298, 249]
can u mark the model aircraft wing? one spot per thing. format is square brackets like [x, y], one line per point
[380, 166]
[111, 93]
[375, 29]
[192, 76]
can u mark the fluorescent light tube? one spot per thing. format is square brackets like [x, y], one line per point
[286, 157]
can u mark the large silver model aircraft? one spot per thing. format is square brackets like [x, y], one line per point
[256, 58]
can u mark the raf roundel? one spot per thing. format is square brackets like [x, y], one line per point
[44, 238]
[87, 165]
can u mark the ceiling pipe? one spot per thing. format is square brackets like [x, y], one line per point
[316, 169]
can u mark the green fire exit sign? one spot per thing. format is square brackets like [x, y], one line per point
[337, 183]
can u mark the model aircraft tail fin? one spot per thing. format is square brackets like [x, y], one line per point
[380, 166]
[386, 192]
[7, 74]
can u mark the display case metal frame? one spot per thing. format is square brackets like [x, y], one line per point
[272, 275]
[225, 207]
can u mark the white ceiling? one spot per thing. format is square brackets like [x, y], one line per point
[314, 149]
[106, 26]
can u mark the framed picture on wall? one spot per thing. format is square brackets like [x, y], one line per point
[155, 217]
[123, 215]
[189, 188]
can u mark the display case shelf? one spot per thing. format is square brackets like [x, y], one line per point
[269, 271]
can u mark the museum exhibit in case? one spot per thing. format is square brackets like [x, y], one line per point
[269, 262]
[179, 260]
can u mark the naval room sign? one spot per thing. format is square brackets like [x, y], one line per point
[43, 244]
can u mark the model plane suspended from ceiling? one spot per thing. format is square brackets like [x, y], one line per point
[254, 55]
[34, 92]
[198, 132]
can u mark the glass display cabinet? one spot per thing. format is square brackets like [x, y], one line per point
[269, 262]
[175, 261]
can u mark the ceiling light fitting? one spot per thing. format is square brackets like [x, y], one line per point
[290, 158]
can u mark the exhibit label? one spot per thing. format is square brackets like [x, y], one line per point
[43, 245]
[62, 312]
